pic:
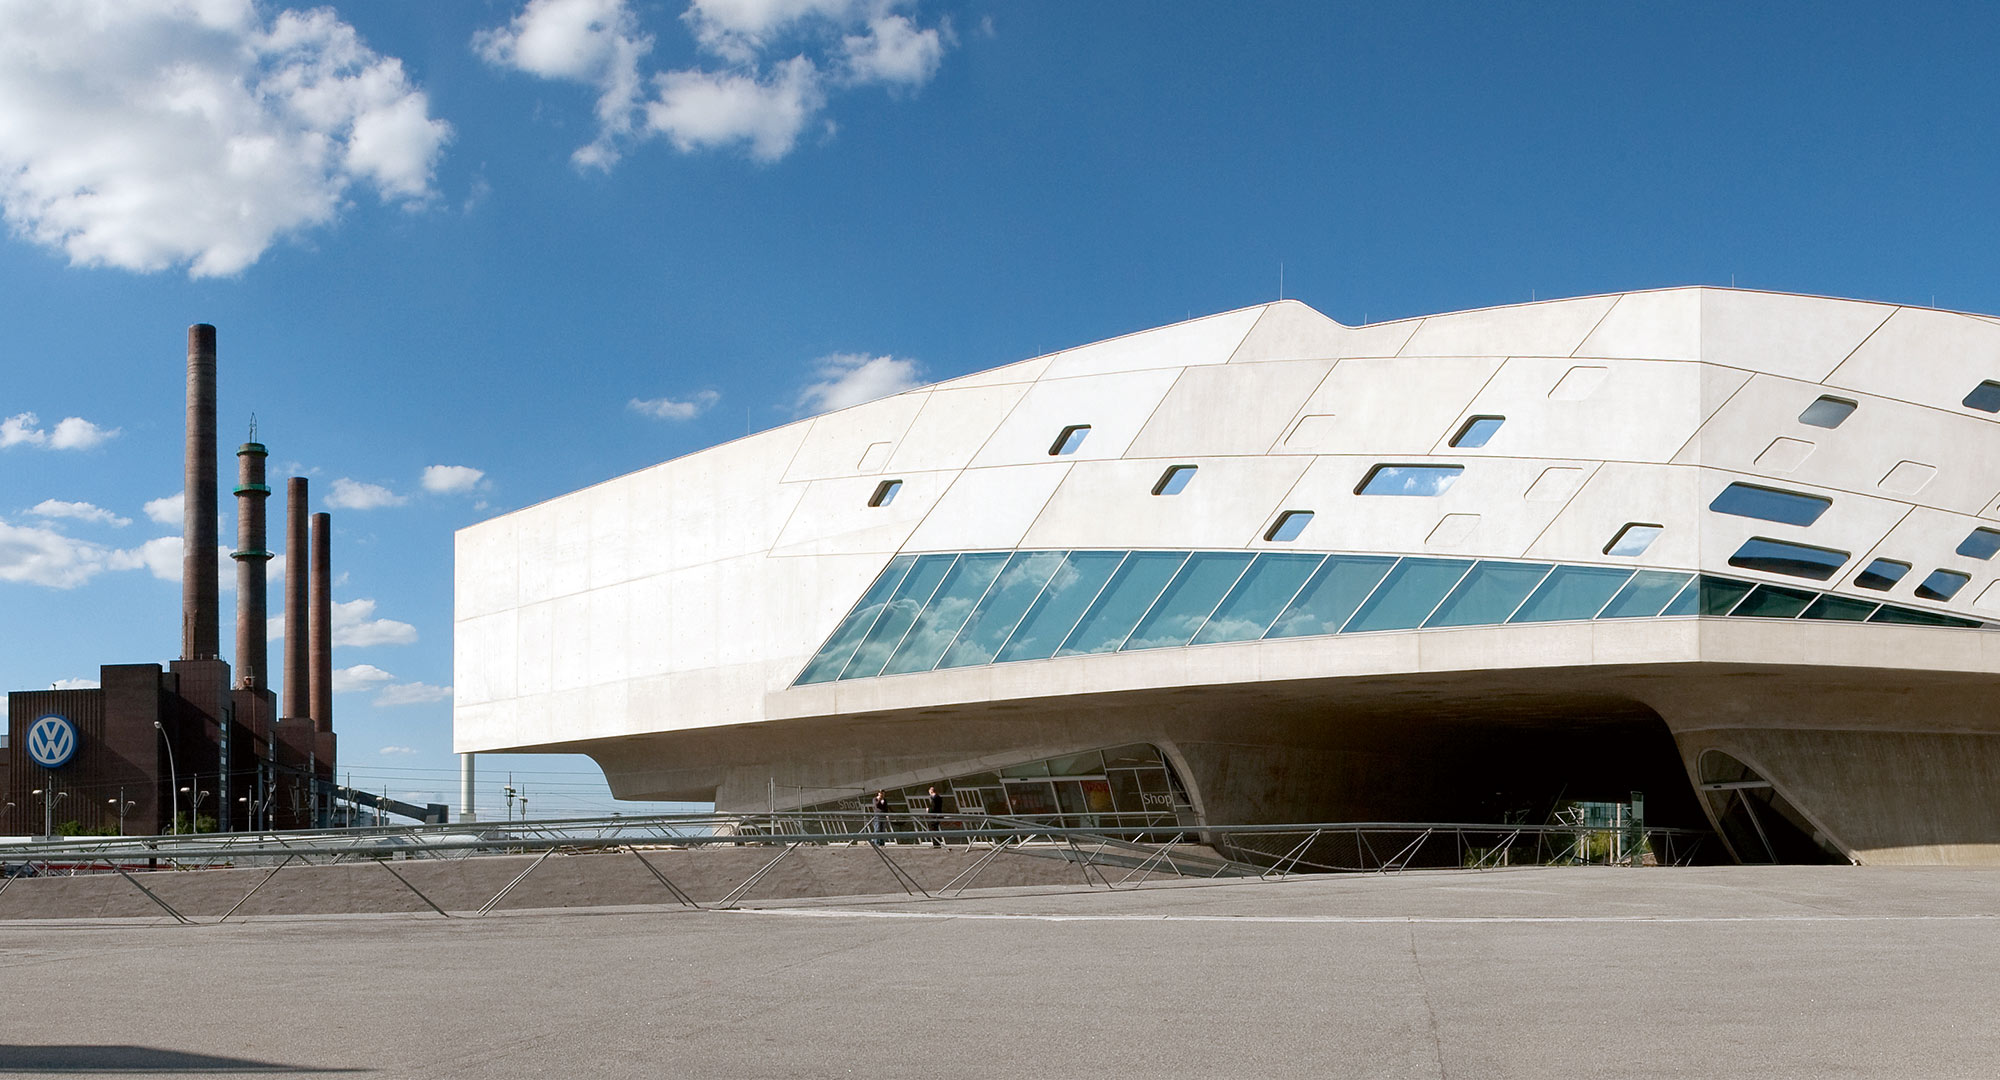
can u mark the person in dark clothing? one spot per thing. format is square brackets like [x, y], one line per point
[937, 817]
[879, 823]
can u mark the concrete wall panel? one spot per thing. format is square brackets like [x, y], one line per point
[1549, 328]
[1390, 406]
[1930, 358]
[1289, 330]
[1208, 340]
[1115, 406]
[1800, 337]
[1238, 409]
[1110, 503]
[1664, 325]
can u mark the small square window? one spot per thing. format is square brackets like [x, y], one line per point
[1881, 575]
[1980, 544]
[885, 493]
[1770, 504]
[1174, 479]
[1477, 431]
[1942, 585]
[1289, 525]
[1985, 397]
[1633, 539]
[1827, 412]
[1422, 480]
[1070, 439]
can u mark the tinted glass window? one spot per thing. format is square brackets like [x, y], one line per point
[1062, 602]
[846, 637]
[1339, 586]
[946, 613]
[1840, 609]
[885, 493]
[1827, 412]
[1408, 594]
[1477, 431]
[1070, 440]
[1918, 618]
[1186, 604]
[994, 618]
[1881, 575]
[1421, 480]
[1289, 525]
[1773, 602]
[1981, 544]
[1132, 590]
[1572, 592]
[1488, 594]
[1784, 557]
[1644, 595]
[1633, 540]
[1942, 585]
[1254, 603]
[1174, 479]
[1770, 504]
[1986, 398]
[888, 631]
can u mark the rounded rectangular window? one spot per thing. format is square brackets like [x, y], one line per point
[1633, 539]
[1419, 480]
[885, 493]
[1785, 557]
[1478, 430]
[1070, 440]
[1174, 479]
[1985, 397]
[1942, 585]
[1770, 504]
[1881, 575]
[1827, 412]
[1288, 526]
[1980, 544]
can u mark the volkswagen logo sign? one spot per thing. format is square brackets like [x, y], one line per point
[51, 741]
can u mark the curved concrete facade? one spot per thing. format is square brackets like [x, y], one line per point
[1817, 472]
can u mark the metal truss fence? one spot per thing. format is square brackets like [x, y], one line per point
[1107, 851]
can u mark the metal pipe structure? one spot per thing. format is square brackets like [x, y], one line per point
[298, 560]
[320, 644]
[466, 811]
[200, 590]
[253, 654]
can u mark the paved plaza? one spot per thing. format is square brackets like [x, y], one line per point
[1710, 972]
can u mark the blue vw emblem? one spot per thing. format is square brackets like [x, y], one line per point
[51, 741]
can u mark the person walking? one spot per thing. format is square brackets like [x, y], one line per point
[879, 821]
[937, 817]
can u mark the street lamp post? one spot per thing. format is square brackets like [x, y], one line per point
[50, 797]
[173, 782]
[123, 805]
[194, 806]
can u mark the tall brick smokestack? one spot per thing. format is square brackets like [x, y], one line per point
[253, 652]
[321, 645]
[298, 560]
[201, 603]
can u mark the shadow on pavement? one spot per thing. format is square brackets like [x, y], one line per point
[16, 1059]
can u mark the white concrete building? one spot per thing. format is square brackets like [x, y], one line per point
[1731, 549]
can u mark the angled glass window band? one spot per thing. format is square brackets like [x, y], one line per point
[1644, 595]
[840, 645]
[1913, 617]
[1633, 540]
[1784, 557]
[1840, 609]
[1985, 397]
[1488, 594]
[1069, 441]
[1174, 479]
[1572, 592]
[1190, 597]
[1258, 596]
[1770, 504]
[888, 631]
[1004, 604]
[1827, 412]
[1125, 599]
[1060, 605]
[1330, 597]
[1477, 431]
[1773, 602]
[1881, 575]
[1942, 585]
[885, 493]
[1408, 595]
[1980, 544]
[942, 618]
[1288, 526]
[1418, 480]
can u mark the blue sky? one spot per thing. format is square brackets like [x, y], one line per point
[551, 243]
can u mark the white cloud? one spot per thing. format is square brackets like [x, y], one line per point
[359, 677]
[143, 135]
[451, 479]
[357, 495]
[415, 693]
[32, 555]
[388, 750]
[669, 409]
[25, 429]
[77, 684]
[594, 42]
[778, 59]
[80, 511]
[851, 378]
[168, 509]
